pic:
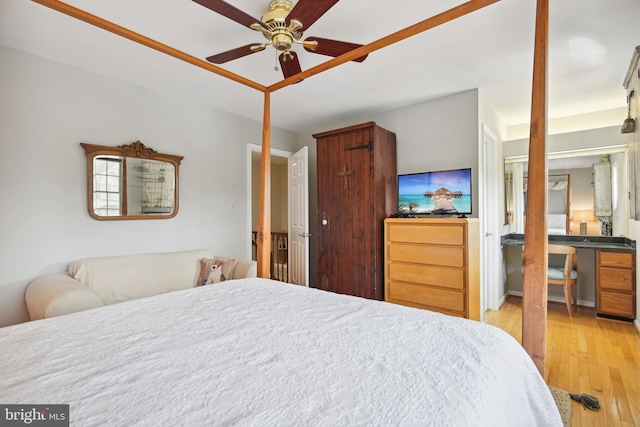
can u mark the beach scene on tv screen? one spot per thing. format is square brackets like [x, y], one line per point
[443, 192]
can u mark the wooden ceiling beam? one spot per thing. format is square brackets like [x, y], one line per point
[418, 28]
[146, 41]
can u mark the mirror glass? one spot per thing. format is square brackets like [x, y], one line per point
[508, 193]
[131, 182]
[572, 196]
[558, 203]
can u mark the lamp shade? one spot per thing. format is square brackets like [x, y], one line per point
[583, 216]
[629, 125]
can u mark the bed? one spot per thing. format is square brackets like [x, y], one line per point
[556, 224]
[259, 352]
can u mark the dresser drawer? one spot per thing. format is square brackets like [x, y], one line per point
[427, 296]
[423, 254]
[616, 259]
[616, 279]
[615, 304]
[436, 235]
[427, 275]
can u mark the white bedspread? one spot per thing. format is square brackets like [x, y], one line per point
[258, 352]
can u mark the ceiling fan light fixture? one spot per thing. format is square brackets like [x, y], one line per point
[282, 41]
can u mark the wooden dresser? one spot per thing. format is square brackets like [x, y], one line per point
[433, 263]
[616, 283]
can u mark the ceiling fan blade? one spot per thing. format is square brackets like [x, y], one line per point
[333, 47]
[289, 64]
[231, 12]
[232, 54]
[309, 11]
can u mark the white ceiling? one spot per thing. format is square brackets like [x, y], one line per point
[591, 43]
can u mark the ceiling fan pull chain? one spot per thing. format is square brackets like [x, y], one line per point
[276, 67]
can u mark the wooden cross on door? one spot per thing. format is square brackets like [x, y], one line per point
[345, 174]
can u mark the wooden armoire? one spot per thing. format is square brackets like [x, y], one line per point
[357, 190]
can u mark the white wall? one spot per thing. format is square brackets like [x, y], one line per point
[581, 189]
[47, 109]
[437, 135]
[579, 140]
[582, 122]
[279, 199]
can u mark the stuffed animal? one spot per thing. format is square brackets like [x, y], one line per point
[215, 274]
[215, 270]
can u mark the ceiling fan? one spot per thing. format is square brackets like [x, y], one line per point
[282, 25]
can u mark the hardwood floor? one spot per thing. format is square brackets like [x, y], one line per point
[586, 354]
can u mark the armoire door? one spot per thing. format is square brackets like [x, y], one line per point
[350, 221]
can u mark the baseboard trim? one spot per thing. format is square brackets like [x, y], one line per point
[502, 301]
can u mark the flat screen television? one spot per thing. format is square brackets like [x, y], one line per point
[435, 193]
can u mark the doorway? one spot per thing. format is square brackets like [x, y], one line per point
[489, 227]
[289, 212]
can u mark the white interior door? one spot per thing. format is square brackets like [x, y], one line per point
[298, 263]
[490, 213]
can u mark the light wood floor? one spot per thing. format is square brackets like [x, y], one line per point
[586, 354]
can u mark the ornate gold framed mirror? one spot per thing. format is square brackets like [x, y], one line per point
[131, 182]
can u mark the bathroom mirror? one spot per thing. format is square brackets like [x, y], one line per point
[131, 182]
[508, 193]
[558, 203]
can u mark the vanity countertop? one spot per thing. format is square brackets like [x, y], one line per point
[585, 242]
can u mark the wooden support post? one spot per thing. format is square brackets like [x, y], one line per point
[534, 288]
[264, 213]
